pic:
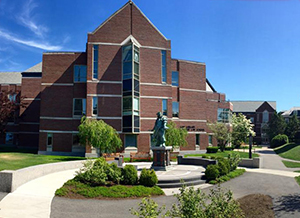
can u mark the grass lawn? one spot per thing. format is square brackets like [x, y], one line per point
[223, 154]
[289, 151]
[15, 160]
[291, 164]
[297, 179]
[75, 189]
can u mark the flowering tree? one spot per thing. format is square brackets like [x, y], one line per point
[9, 104]
[99, 135]
[221, 132]
[241, 129]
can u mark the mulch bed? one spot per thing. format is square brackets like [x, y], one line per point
[257, 206]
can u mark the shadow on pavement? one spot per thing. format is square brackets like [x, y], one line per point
[2, 195]
[265, 152]
[287, 203]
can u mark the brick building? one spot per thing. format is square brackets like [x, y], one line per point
[259, 112]
[125, 76]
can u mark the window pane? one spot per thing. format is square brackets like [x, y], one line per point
[174, 78]
[49, 139]
[127, 104]
[164, 107]
[136, 86]
[136, 68]
[163, 66]
[136, 104]
[75, 139]
[210, 139]
[79, 107]
[95, 105]
[136, 121]
[127, 85]
[175, 107]
[95, 64]
[127, 68]
[127, 53]
[197, 139]
[9, 137]
[130, 141]
[127, 121]
[136, 56]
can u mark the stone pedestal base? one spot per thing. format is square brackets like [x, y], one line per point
[161, 158]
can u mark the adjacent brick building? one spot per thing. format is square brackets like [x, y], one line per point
[259, 112]
[125, 76]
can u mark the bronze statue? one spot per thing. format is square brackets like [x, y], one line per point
[159, 130]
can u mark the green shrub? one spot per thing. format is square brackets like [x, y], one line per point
[61, 192]
[205, 156]
[148, 178]
[212, 172]
[92, 174]
[129, 174]
[193, 204]
[148, 208]
[234, 160]
[223, 166]
[114, 173]
[211, 149]
[279, 140]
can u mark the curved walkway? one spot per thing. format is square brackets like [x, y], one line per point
[35, 198]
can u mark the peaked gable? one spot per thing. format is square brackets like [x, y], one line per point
[265, 106]
[129, 20]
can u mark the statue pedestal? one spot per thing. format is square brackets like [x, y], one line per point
[161, 158]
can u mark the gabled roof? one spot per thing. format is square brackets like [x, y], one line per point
[290, 111]
[10, 78]
[250, 106]
[118, 11]
[35, 69]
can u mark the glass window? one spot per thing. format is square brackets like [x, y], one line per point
[163, 66]
[79, 73]
[130, 141]
[127, 105]
[12, 97]
[76, 139]
[265, 117]
[136, 104]
[9, 138]
[165, 107]
[95, 105]
[175, 107]
[95, 62]
[49, 139]
[175, 78]
[197, 139]
[210, 139]
[224, 115]
[252, 119]
[79, 106]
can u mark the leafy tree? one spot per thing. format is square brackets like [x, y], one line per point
[8, 107]
[276, 125]
[292, 128]
[99, 135]
[221, 133]
[175, 137]
[241, 129]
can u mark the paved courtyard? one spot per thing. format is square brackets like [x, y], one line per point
[36, 198]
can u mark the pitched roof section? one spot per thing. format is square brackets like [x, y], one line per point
[35, 69]
[250, 106]
[10, 78]
[290, 111]
[118, 11]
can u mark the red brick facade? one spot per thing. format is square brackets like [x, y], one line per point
[197, 105]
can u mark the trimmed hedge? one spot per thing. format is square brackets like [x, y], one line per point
[211, 149]
[279, 140]
[212, 172]
[148, 178]
[129, 174]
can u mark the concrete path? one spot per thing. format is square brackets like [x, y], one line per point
[33, 199]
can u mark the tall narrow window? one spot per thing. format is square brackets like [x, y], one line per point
[175, 78]
[9, 138]
[165, 107]
[79, 107]
[95, 61]
[79, 73]
[49, 141]
[95, 106]
[175, 108]
[12, 97]
[163, 66]
[197, 139]
[210, 139]
[265, 116]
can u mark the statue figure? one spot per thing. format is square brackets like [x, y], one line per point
[159, 130]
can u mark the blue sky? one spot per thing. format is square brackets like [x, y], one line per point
[251, 47]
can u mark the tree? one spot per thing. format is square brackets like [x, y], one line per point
[292, 128]
[276, 125]
[99, 135]
[221, 133]
[241, 129]
[175, 137]
[9, 104]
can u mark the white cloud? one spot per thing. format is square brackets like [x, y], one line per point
[40, 45]
[27, 20]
